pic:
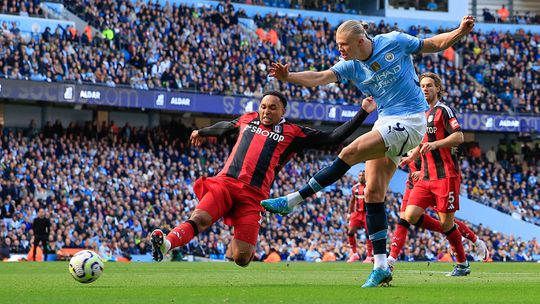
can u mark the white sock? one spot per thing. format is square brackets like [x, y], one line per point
[380, 261]
[293, 199]
[478, 242]
[466, 263]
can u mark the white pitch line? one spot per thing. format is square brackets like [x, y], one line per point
[397, 271]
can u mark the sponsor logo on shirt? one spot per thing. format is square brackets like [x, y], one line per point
[257, 130]
[387, 78]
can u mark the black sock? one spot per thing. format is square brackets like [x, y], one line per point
[420, 221]
[195, 228]
[377, 226]
[325, 177]
[404, 223]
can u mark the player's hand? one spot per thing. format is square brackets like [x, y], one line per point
[279, 71]
[196, 139]
[428, 146]
[404, 162]
[467, 25]
[415, 175]
[369, 105]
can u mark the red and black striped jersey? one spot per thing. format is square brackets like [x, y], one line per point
[260, 152]
[443, 162]
[413, 167]
[359, 197]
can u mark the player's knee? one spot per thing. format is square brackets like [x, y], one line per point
[351, 232]
[348, 154]
[447, 225]
[412, 217]
[373, 195]
[243, 260]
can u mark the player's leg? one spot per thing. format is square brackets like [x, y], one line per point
[213, 205]
[351, 235]
[398, 240]
[481, 247]
[446, 192]
[454, 238]
[426, 221]
[244, 243]
[199, 221]
[378, 175]
[419, 199]
[396, 137]
[368, 146]
[402, 230]
[369, 245]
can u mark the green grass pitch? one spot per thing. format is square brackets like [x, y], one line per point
[268, 283]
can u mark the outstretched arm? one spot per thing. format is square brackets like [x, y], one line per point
[443, 41]
[219, 129]
[307, 78]
[339, 134]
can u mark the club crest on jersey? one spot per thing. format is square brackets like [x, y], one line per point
[375, 66]
[430, 118]
[389, 56]
[278, 129]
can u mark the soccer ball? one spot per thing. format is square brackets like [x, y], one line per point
[86, 266]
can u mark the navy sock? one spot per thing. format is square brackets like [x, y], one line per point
[325, 177]
[377, 226]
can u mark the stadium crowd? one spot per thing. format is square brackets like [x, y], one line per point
[340, 6]
[107, 187]
[22, 8]
[506, 179]
[149, 46]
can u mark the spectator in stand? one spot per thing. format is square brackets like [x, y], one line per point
[503, 13]
[132, 60]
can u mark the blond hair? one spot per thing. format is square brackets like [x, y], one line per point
[437, 79]
[353, 27]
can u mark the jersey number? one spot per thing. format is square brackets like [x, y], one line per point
[451, 197]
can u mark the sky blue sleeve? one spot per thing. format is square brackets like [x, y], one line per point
[410, 44]
[343, 70]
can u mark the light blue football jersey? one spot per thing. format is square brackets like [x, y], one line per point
[388, 75]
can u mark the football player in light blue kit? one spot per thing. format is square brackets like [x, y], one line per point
[381, 67]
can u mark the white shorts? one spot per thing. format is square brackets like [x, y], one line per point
[401, 133]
